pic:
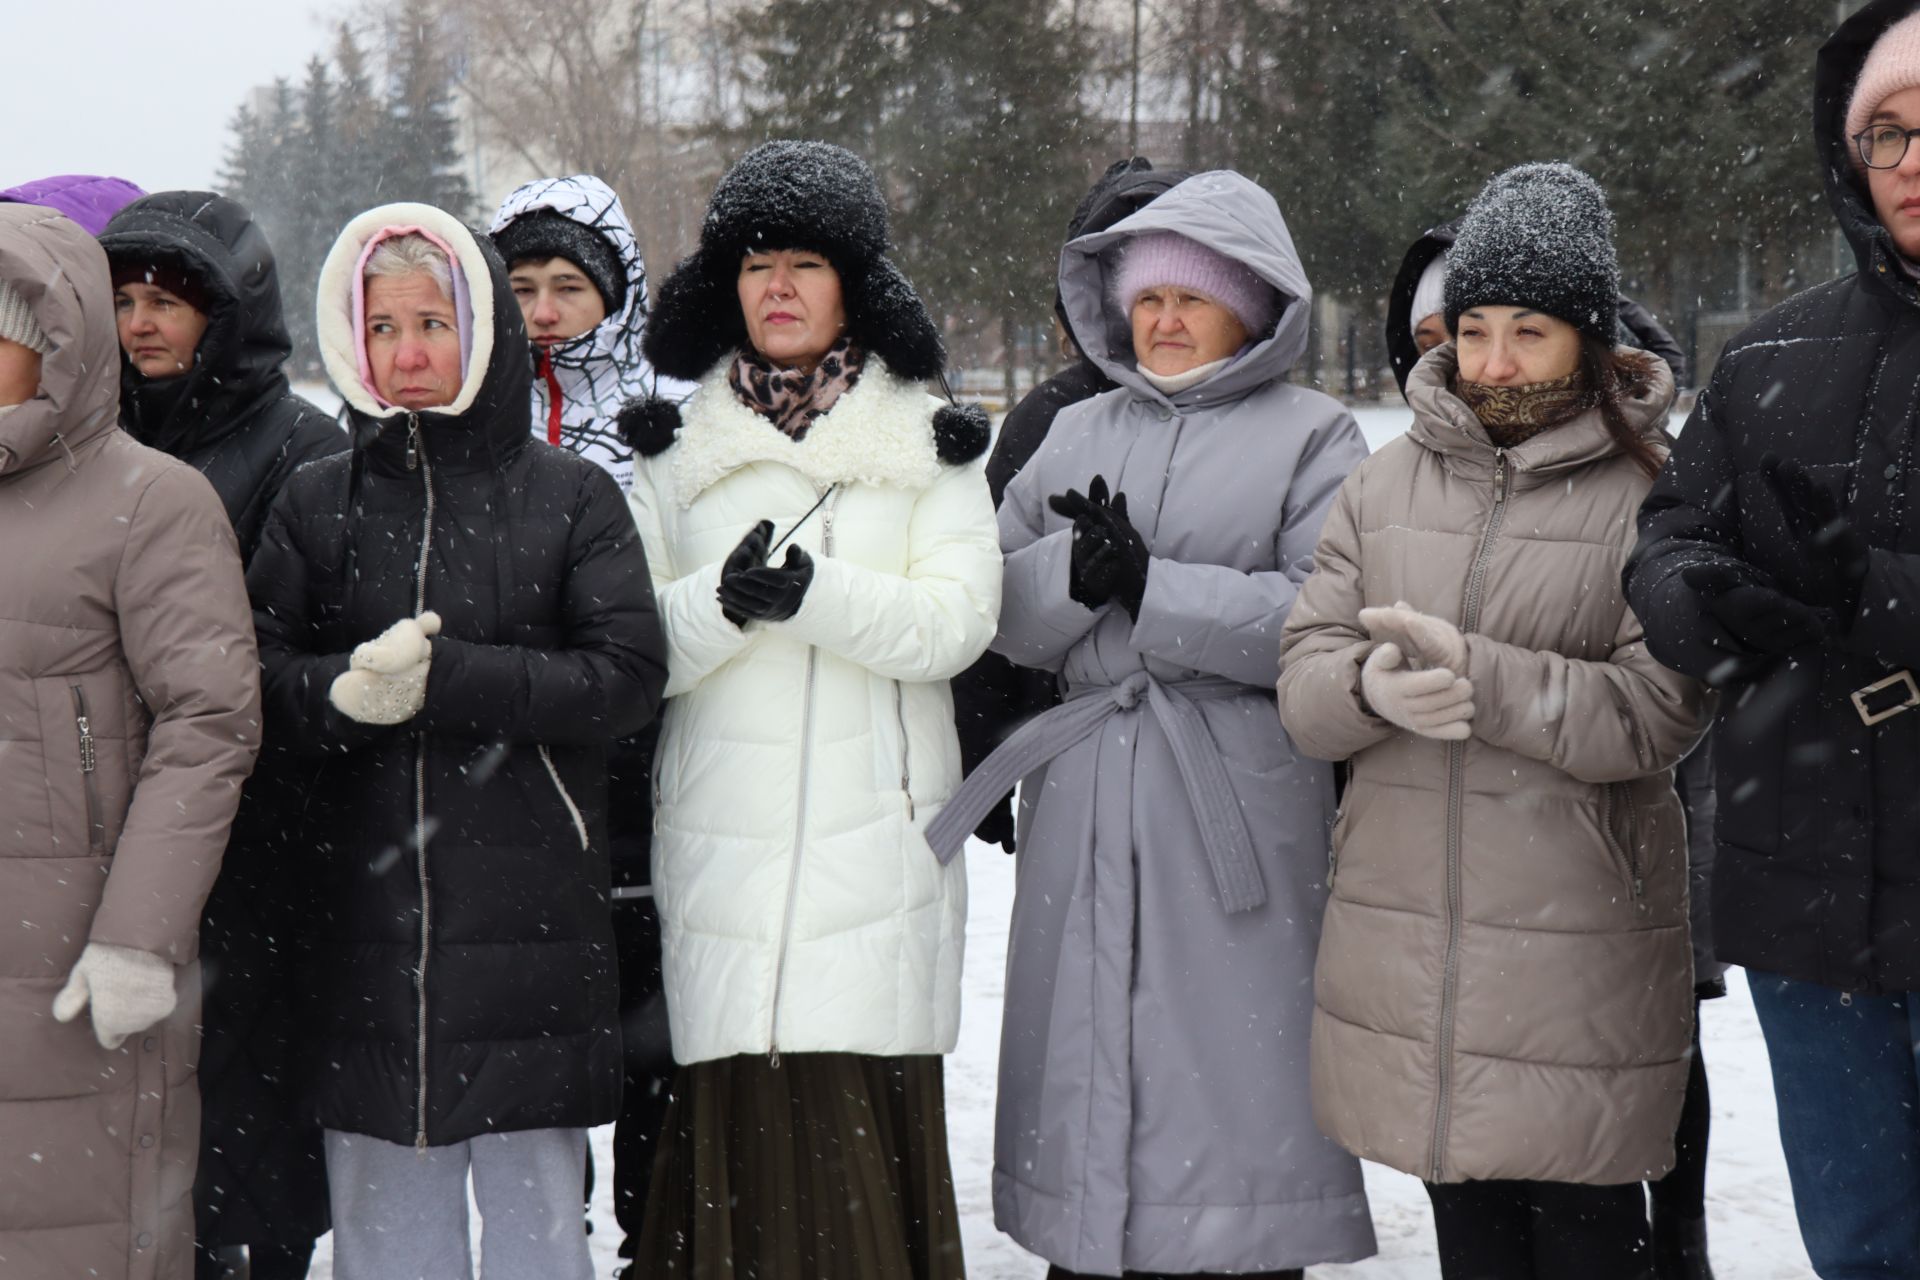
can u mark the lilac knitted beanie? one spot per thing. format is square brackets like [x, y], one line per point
[1161, 258]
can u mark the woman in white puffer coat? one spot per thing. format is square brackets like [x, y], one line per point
[824, 550]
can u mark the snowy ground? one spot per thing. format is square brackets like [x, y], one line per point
[1749, 1205]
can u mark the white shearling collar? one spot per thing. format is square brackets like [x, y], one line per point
[880, 432]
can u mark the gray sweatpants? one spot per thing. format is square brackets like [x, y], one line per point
[401, 1214]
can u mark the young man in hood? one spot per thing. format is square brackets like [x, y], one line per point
[1779, 558]
[574, 265]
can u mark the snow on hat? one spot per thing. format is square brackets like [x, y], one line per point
[1430, 295]
[17, 323]
[545, 233]
[1538, 236]
[1161, 258]
[1893, 64]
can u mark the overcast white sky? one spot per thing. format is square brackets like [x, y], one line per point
[143, 89]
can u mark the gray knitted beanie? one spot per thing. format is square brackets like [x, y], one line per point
[17, 323]
[1541, 237]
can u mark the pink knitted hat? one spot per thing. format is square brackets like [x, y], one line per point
[1892, 65]
[1169, 258]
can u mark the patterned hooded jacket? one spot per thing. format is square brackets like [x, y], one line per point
[595, 374]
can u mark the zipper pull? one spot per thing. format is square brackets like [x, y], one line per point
[413, 442]
[773, 1058]
[826, 532]
[908, 794]
[1499, 471]
[87, 756]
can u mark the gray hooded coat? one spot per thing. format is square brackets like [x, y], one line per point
[1154, 1112]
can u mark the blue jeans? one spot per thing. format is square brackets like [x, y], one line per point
[1846, 1078]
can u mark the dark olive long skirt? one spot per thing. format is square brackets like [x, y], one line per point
[830, 1166]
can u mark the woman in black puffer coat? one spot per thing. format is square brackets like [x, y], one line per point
[261, 1186]
[462, 957]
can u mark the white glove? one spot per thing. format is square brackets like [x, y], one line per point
[1433, 704]
[386, 682]
[400, 648]
[129, 989]
[1429, 641]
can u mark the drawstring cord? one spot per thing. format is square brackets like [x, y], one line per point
[553, 398]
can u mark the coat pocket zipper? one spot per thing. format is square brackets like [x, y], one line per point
[89, 759]
[906, 750]
[1624, 852]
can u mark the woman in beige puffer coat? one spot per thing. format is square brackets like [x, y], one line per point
[1503, 997]
[129, 717]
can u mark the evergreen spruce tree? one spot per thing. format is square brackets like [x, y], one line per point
[421, 139]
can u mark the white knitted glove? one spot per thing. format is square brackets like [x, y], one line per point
[129, 989]
[1433, 704]
[1431, 642]
[386, 682]
[400, 648]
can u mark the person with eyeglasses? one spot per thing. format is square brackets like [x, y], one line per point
[1779, 558]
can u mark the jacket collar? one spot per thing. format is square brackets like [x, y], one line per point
[879, 433]
[1444, 424]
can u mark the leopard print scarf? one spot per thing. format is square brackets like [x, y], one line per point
[1515, 415]
[792, 398]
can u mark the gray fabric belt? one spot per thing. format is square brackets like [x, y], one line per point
[1223, 828]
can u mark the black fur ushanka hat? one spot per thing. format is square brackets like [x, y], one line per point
[792, 195]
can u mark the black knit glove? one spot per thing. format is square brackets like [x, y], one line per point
[1830, 555]
[998, 826]
[1760, 618]
[766, 594]
[750, 554]
[1110, 558]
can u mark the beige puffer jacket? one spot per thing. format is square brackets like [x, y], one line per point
[1504, 983]
[129, 716]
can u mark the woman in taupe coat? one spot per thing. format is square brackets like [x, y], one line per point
[129, 717]
[1503, 999]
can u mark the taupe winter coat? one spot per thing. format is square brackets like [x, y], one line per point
[129, 716]
[1504, 987]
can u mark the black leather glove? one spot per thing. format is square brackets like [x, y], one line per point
[1830, 554]
[1764, 620]
[750, 554]
[997, 826]
[766, 594]
[1110, 558]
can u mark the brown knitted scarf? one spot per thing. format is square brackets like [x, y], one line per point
[1515, 415]
[792, 398]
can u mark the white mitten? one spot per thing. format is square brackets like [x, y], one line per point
[1429, 641]
[1433, 704]
[129, 989]
[371, 698]
[399, 648]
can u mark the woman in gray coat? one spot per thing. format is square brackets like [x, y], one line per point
[1154, 1115]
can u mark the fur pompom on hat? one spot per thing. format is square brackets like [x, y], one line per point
[1539, 236]
[1430, 295]
[1167, 258]
[17, 323]
[792, 195]
[545, 234]
[1892, 65]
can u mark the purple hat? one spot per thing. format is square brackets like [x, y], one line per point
[1162, 258]
[88, 200]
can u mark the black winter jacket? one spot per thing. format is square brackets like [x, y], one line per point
[1818, 869]
[232, 415]
[261, 1178]
[1638, 326]
[467, 986]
